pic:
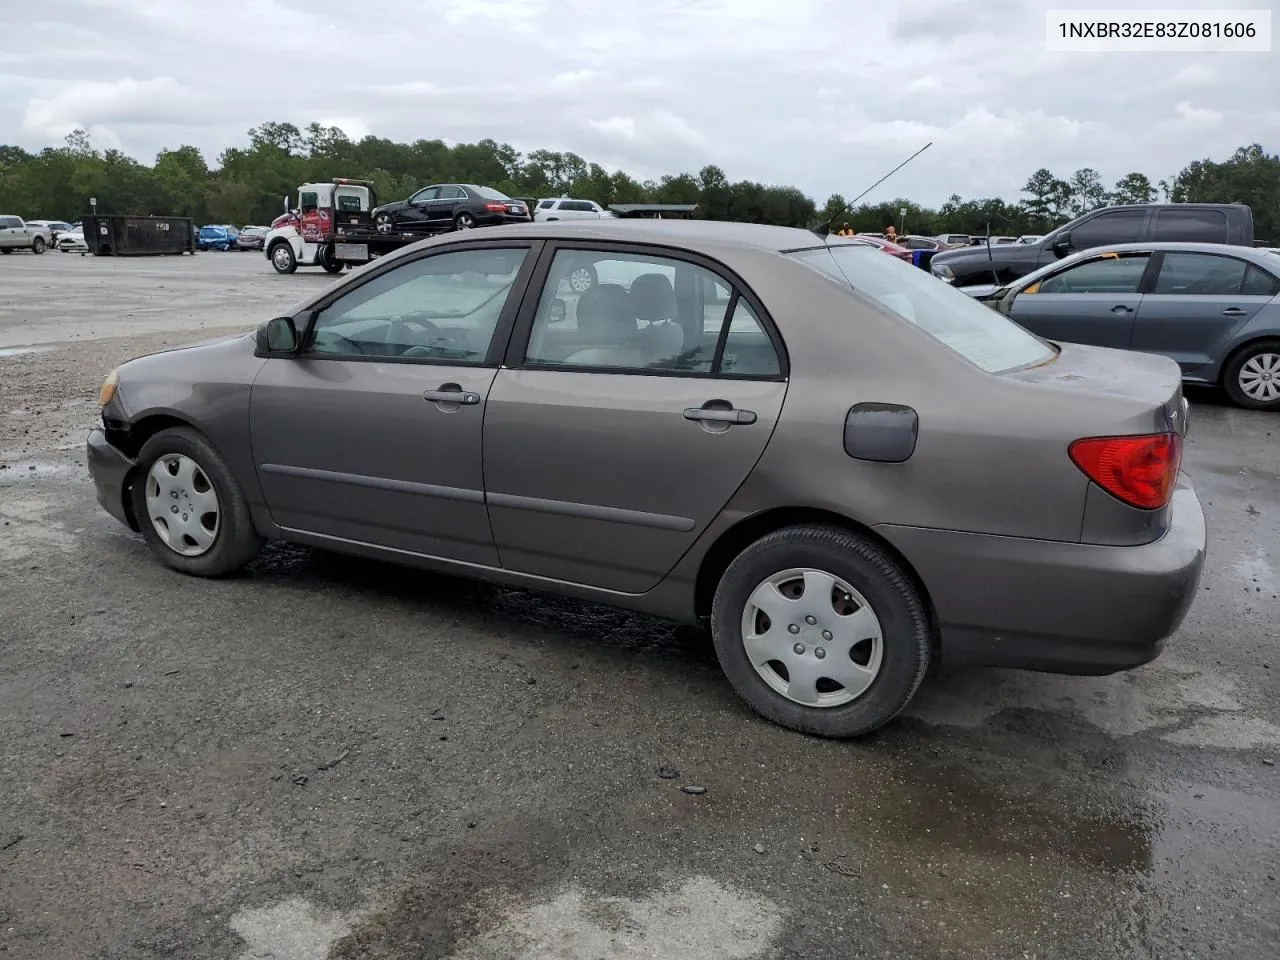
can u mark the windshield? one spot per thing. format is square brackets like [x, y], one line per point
[976, 332]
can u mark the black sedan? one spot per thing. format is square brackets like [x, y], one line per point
[449, 206]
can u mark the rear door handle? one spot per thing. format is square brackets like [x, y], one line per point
[720, 415]
[1234, 312]
[1121, 308]
[454, 395]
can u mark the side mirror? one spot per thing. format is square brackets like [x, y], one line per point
[558, 310]
[1062, 246]
[278, 336]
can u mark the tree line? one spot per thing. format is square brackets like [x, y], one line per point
[249, 183]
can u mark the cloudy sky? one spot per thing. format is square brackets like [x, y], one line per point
[827, 95]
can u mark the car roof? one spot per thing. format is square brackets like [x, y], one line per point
[1174, 246]
[693, 233]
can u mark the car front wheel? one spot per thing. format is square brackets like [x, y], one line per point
[821, 631]
[190, 507]
[1252, 377]
[282, 258]
[384, 223]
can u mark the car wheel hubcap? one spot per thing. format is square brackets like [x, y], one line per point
[812, 637]
[1260, 377]
[281, 257]
[384, 225]
[580, 280]
[182, 505]
[464, 223]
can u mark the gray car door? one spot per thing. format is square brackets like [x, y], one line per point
[1095, 301]
[1198, 302]
[626, 417]
[372, 434]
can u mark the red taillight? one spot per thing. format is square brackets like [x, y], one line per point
[1141, 471]
[904, 255]
[495, 207]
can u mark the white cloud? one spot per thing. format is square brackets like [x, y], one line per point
[824, 94]
[96, 105]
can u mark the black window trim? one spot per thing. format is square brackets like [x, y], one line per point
[1225, 255]
[519, 340]
[306, 317]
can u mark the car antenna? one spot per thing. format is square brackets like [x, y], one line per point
[824, 228]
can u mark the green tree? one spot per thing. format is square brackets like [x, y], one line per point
[1133, 188]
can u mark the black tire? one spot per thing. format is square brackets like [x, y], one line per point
[863, 565]
[235, 542]
[282, 257]
[6, 250]
[464, 221]
[1231, 375]
[38, 246]
[327, 262]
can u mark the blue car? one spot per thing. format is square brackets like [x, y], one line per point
[217, 238]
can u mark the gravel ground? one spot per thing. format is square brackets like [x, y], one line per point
[335, 758]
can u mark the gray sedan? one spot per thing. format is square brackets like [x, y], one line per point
[848, 469]
[1213, 308]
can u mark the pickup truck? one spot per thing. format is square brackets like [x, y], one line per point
[17, 234]
[999, 264]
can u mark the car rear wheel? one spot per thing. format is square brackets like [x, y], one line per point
[329, 264]
[582, 279]
[1252, 377]
[190, 508]
[38, 245]
[282, 258]
[821, 631]
[464, 221]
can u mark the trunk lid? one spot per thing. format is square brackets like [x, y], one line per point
[1140, 392]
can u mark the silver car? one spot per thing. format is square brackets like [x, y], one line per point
[848, 469]
[1213, 308]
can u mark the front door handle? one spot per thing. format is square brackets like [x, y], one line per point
[1121, 308]
[452, 393]
[1234, 312]
[720, 415]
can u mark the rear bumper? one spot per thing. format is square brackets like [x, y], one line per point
[110, 470]
[1059, 607]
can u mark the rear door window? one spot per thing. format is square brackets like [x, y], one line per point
[976, 332]
[1200, 274]
[1107, 274]
[1190, 226]
[1119, 226]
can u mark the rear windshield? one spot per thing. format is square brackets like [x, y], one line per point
[491, 194]
[976, 332]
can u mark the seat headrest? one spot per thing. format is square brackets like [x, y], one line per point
[653, 297]
[607, 310]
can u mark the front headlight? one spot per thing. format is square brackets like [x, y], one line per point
[943, 272]
[108, 388]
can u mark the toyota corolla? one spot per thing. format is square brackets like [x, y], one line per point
[846, 468]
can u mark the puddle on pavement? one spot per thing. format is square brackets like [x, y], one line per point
[19, 351]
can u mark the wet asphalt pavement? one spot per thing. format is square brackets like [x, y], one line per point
[336, 758]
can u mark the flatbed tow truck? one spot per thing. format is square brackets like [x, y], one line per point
[331, 228]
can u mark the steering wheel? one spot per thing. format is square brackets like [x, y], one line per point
[396, 330]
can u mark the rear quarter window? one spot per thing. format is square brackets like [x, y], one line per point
[976, 332]
[1190, 226]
